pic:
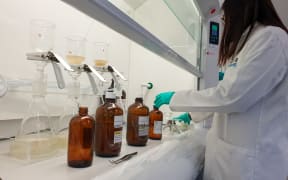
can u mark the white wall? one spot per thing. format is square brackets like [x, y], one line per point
[15, 17]
[147, 67]
[137, 64]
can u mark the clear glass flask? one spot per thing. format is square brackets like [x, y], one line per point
[35, 139]
[75, 56]
[100, 53]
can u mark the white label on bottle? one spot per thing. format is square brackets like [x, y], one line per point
[117, 137]
[157, 127]
[143, 123]
[118, 121]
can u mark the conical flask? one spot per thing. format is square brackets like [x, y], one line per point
[75, 55]
[35, 137]
[70, 110]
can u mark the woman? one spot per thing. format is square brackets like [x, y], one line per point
[249, 136]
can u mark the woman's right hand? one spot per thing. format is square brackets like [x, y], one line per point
[163, 98]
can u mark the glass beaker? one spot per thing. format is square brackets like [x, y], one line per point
[35, 137]
[75, 50]
[41, 35]
[100, 53]
[100, 58]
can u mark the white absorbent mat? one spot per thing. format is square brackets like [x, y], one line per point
[179, 157]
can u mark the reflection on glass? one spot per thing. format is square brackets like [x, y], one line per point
[176, 23]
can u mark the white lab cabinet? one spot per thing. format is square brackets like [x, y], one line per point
[165, 42]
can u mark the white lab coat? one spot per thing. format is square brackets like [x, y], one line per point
[249, 135]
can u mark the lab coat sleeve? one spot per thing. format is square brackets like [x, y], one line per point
[262, 68]
[200, 116]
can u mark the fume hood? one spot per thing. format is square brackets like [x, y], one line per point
[183, 32]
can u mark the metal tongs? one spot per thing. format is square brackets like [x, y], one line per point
[54, 59]
[172, 126]
[124, 158]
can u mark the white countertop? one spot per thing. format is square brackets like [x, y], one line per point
[175, 157]
[56, 167]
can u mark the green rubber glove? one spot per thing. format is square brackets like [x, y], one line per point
[185, 117]
[221, 76]
[163, 98]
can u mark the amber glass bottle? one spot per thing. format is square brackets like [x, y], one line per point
[80, 139]
[109, 124]
[137, 123]
[155, 123]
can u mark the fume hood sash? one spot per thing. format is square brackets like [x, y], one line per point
[105, 12]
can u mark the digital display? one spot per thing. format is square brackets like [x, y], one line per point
[214, 33]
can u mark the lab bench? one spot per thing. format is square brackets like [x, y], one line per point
[176, 156]
[56, 167]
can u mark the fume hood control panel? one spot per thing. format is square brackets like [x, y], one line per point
[214, 33]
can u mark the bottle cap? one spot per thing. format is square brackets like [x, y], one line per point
[139, 99]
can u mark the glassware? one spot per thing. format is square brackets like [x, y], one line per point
[75, 55]
[109, 125]
[100, 53]
[80, 141]
[35, 137]
[100, 58]
[155, 123]
[42, 35]
[137, 123]
[170, 128]
[122, 102]
[75, 52]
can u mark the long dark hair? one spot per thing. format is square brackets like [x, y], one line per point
[240, 15]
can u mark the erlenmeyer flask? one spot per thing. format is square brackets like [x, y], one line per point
[70, 110]
[35, 137]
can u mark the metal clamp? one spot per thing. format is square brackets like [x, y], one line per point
[54, 59]
[89, 69]
[114, 71]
